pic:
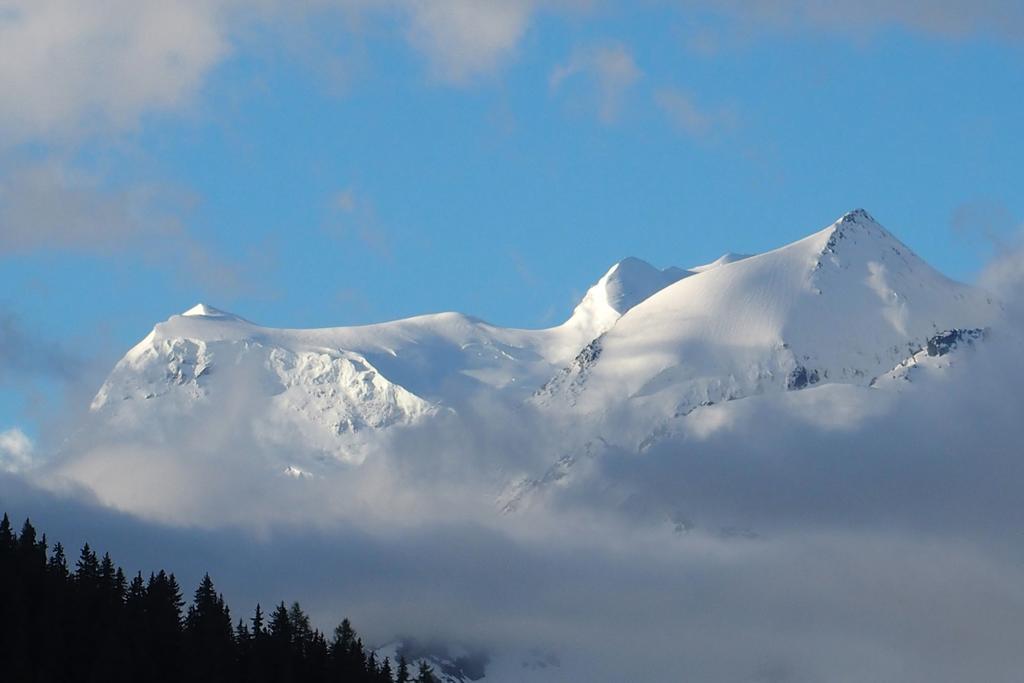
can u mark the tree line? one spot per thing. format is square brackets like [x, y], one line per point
[90, 623]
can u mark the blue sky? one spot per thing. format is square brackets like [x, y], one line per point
[342, 162]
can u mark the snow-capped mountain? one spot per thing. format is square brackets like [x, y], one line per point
[332, 390]
[849, 304]
[846, 304]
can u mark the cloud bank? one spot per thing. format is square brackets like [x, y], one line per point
[69, 68]
[837, 533]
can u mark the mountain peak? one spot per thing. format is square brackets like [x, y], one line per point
[859, 216]
[632, 280]
[858, 226]
[206, 311]
[626, 284]
[844, 305]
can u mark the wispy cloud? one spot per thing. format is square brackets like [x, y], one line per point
[608, 70]
[692, 119]
[51, 205]
[351, 214]
[989, 220]
[945, 19]
[1004, 273]
[25, 354]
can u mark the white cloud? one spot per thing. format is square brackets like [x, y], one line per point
[69, 67]
[76, 72]
[15, 450]
[464, 39]
[609, 69]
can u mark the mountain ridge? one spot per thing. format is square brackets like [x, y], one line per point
[845, 304]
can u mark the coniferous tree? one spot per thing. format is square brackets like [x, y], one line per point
[242, 634]
[344, 638]
[209, 637]
[30, 603]
[257, 667]
[13, 643]
[279, 636]
[372, 668]
[107, 573]
[111, 658]
[162, 626]
[280, 626]
[243, 651]
[358, 656]
[302, 631]
[426, 673]
[57, 566]
[93, 625]
[136, 639]
[57, 609]
[402, 675]
[9, 600]
[84, 638]
[7, 537]
[385, 675]
[87, 570]
[257, 623]
[343, 652]
[27, 545]
[317, 667]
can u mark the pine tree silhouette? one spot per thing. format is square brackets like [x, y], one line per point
[402, 675]
[426, 674]
[57, 566]
[92, 625]
[209, 637]
[7, 538]
[385, 675]
[279, 634]
[162, 626]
